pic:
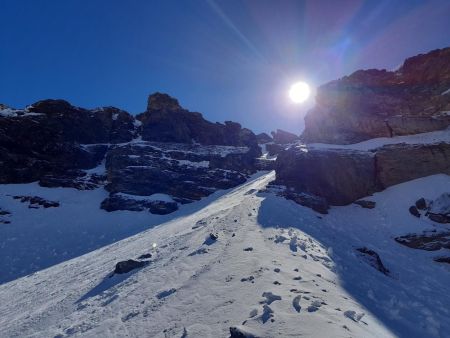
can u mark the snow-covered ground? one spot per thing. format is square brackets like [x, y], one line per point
[276, 270]
[423, 138]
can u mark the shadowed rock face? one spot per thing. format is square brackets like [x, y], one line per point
[283, 137]
[340, 177]
[189, 157]
[166, 121]
[185, 172]
[378, 103]
[45, 139]
[343, 176]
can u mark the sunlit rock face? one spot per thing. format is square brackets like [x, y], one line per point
[379, 103]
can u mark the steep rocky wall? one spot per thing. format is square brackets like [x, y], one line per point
[379, 103]
[342, 176]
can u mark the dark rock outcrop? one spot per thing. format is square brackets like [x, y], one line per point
[399, 163]
[314, 202]
[439, 209]
[45, 139]
[342, 176]
[184, 171]
[366, 204]
[283, 137]
[35, 202]
[274, 149]
[127, 266]
[166, 121]
[443, 259]
[263, 138]
[378, 103]
[373, 259]
[121, 202]
[428, 240]
[58, 144]
[413, 211]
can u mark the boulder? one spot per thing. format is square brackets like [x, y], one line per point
[128, 265]
[379, 103]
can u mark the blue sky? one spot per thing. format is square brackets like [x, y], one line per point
[230, 60]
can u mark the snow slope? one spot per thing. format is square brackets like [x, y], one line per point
[276, 270]
[422, 138]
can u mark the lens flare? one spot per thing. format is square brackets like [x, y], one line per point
[299, 92]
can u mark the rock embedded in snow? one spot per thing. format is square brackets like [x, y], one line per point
[366, 204]
[356, 317]
[427, 240]
[413, 211]
[128, 265]
[242, 332]
[443, 259]
[122, 202]
[421, 204]
[373, 259]
[36, 202]
[439, 209]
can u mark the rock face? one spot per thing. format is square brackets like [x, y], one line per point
[379, 103]
[165, 150]
[263, 138]
[343, 176]
[184, 171]
[340, 177]
[46, 137]
[283, 137]
[166, 121]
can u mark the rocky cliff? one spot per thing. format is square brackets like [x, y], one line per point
[342, 176]
[165, 150]
[379, 103]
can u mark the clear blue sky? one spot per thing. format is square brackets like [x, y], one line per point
[230, 60]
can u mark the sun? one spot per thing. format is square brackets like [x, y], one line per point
[299, 92]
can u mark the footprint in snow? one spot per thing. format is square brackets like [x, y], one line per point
[270, 298]
[165, 293]
[356, 317]
[314, 306]
[200, 251]
[296, 303]
[267, 314]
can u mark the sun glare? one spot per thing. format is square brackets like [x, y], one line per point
[299, 92]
